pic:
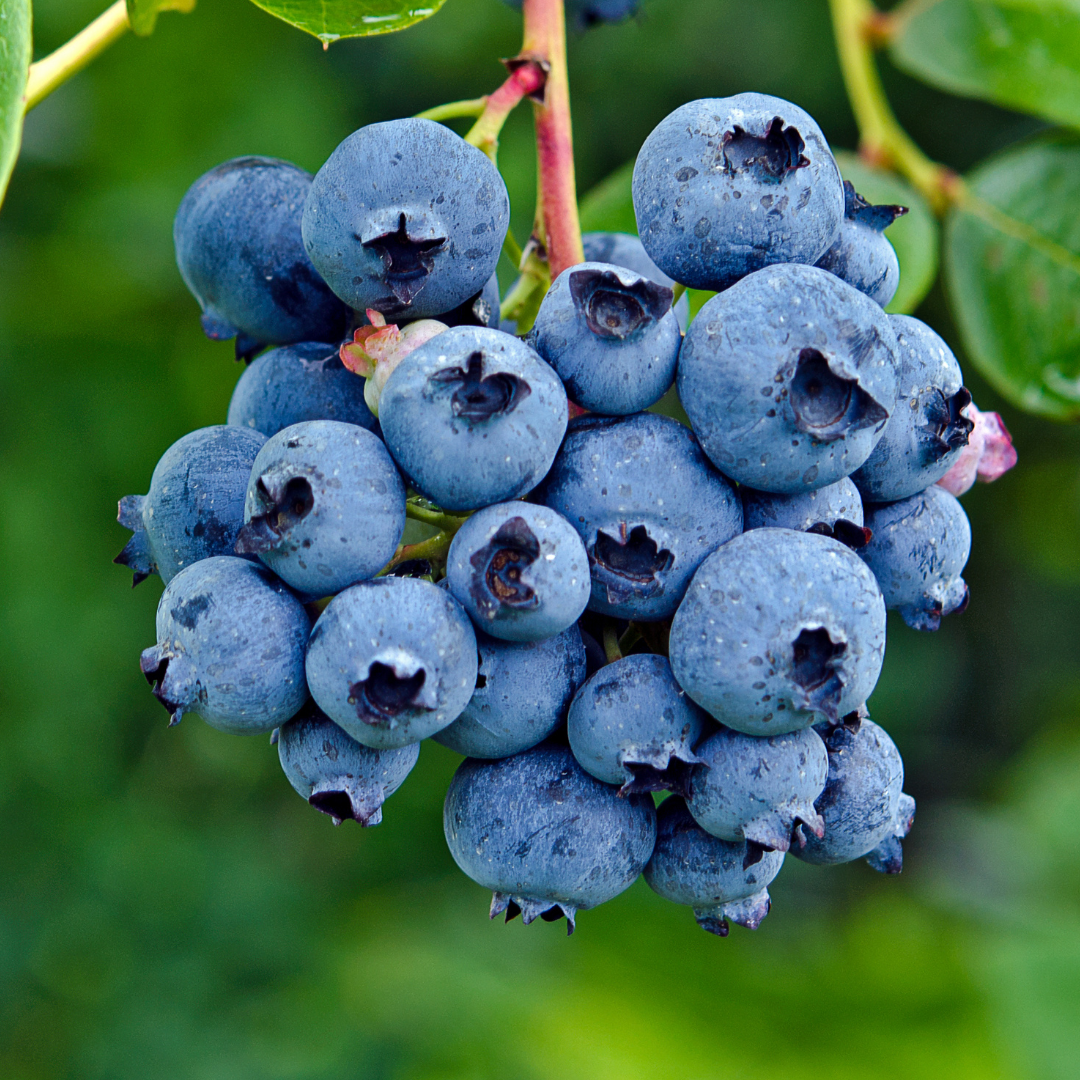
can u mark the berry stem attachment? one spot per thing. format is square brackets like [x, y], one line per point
[611, 642]
[527, 77]
[453, 110]
[422, 510]
[434, 549]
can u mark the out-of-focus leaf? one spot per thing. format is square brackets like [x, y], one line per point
[142, 14]
[329, 20]
[609, 207]
[1012, 266]
[914, 236]
[1019, 53]
[15, 55]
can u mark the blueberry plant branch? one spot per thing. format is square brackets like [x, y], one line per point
[454, 110]
[527, 77]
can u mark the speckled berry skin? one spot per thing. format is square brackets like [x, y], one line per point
[864, 808]
[778, 630]
[927, 432]
[231, 641]
[824, 506]
[648, 506]
[720, 880]
[407, 218]
[625, 249]
[759, 789]
[474, 417]
[611, 335]
[543, 835]
[295, 383]
[861, 255]
[239, 250]
[325, 506]
[523, 691]
[788, 378]
[919, 550]
[520, 571]
[392, 661]
[631, 724]
[195, 506]
[335, 773]
[725, 186]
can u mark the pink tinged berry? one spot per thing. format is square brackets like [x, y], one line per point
[989, 453]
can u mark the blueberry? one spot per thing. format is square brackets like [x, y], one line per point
[918, 552]
[520, 571]
[543, 835]
[625, 249]
[523, 690]
[632, 725]
[861, 255]
[779, 629]
[865, 811]
[788, 378]
[479, 310]
[325, 506]
[407, 218]
[928, 429]
[195, 506]
[392, 661]
[295, 383]
[718, 879]
[231, 641]
[758, 789]
[648, 506]
[239, 249]
[611, 336]
[835, 510]
[474, 417]
[726, 186]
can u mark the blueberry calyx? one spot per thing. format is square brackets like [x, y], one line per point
[770, 156]
[946, 422]
[478, 397]
[659, 771]
[166, 674]
[286, 504]
[339, 806]
[530, 908]
[828, 405]
[616, 311]
[407, 261]
[136, 555]
[847, 532]
[878, 218]
[629, 565]
[815, 658]
[754, 852]
[388, 690]
[496, 580]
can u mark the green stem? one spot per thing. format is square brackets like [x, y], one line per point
[433, 549]
[523, 301]
[449, 523]
[55, 69]
[527, 76]
[611, 642]
[454, 110]
[629, 639]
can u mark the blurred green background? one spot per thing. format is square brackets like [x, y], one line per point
[170, 908]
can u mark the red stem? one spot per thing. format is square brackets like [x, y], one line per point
[527, 76]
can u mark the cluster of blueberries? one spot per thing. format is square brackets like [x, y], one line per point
[594, 602]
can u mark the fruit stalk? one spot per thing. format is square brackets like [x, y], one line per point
[527, 76]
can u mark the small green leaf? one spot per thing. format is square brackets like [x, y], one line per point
[914, 236]
[1012, 267]
[329, 20]
[142, 14]
[15, 56]
[1023, 54]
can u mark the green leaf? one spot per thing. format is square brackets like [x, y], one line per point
[15, 56]
[609, 207]
[1023, 54]
[329, 20]
[914, 236]
[142, 14]
[1012, 267]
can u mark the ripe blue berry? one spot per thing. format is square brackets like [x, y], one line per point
[392, 661]
[720, 880]
[295, 383]
[195, 506]
[861, 255]
[239, 250]
[779, 629]
[625, 249]
[520, 571]
[927, 430]
[407, 218]
[338, 775]
[473, 417]
[919, 550]
[523, 690]
[788, 378]
[647, 505]
[759, 789]
[231, 641]
[835, 510]
[325, 506]
[543, 835]
[726, 186]
[611, 336]
[631, 724]
[864, 808]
